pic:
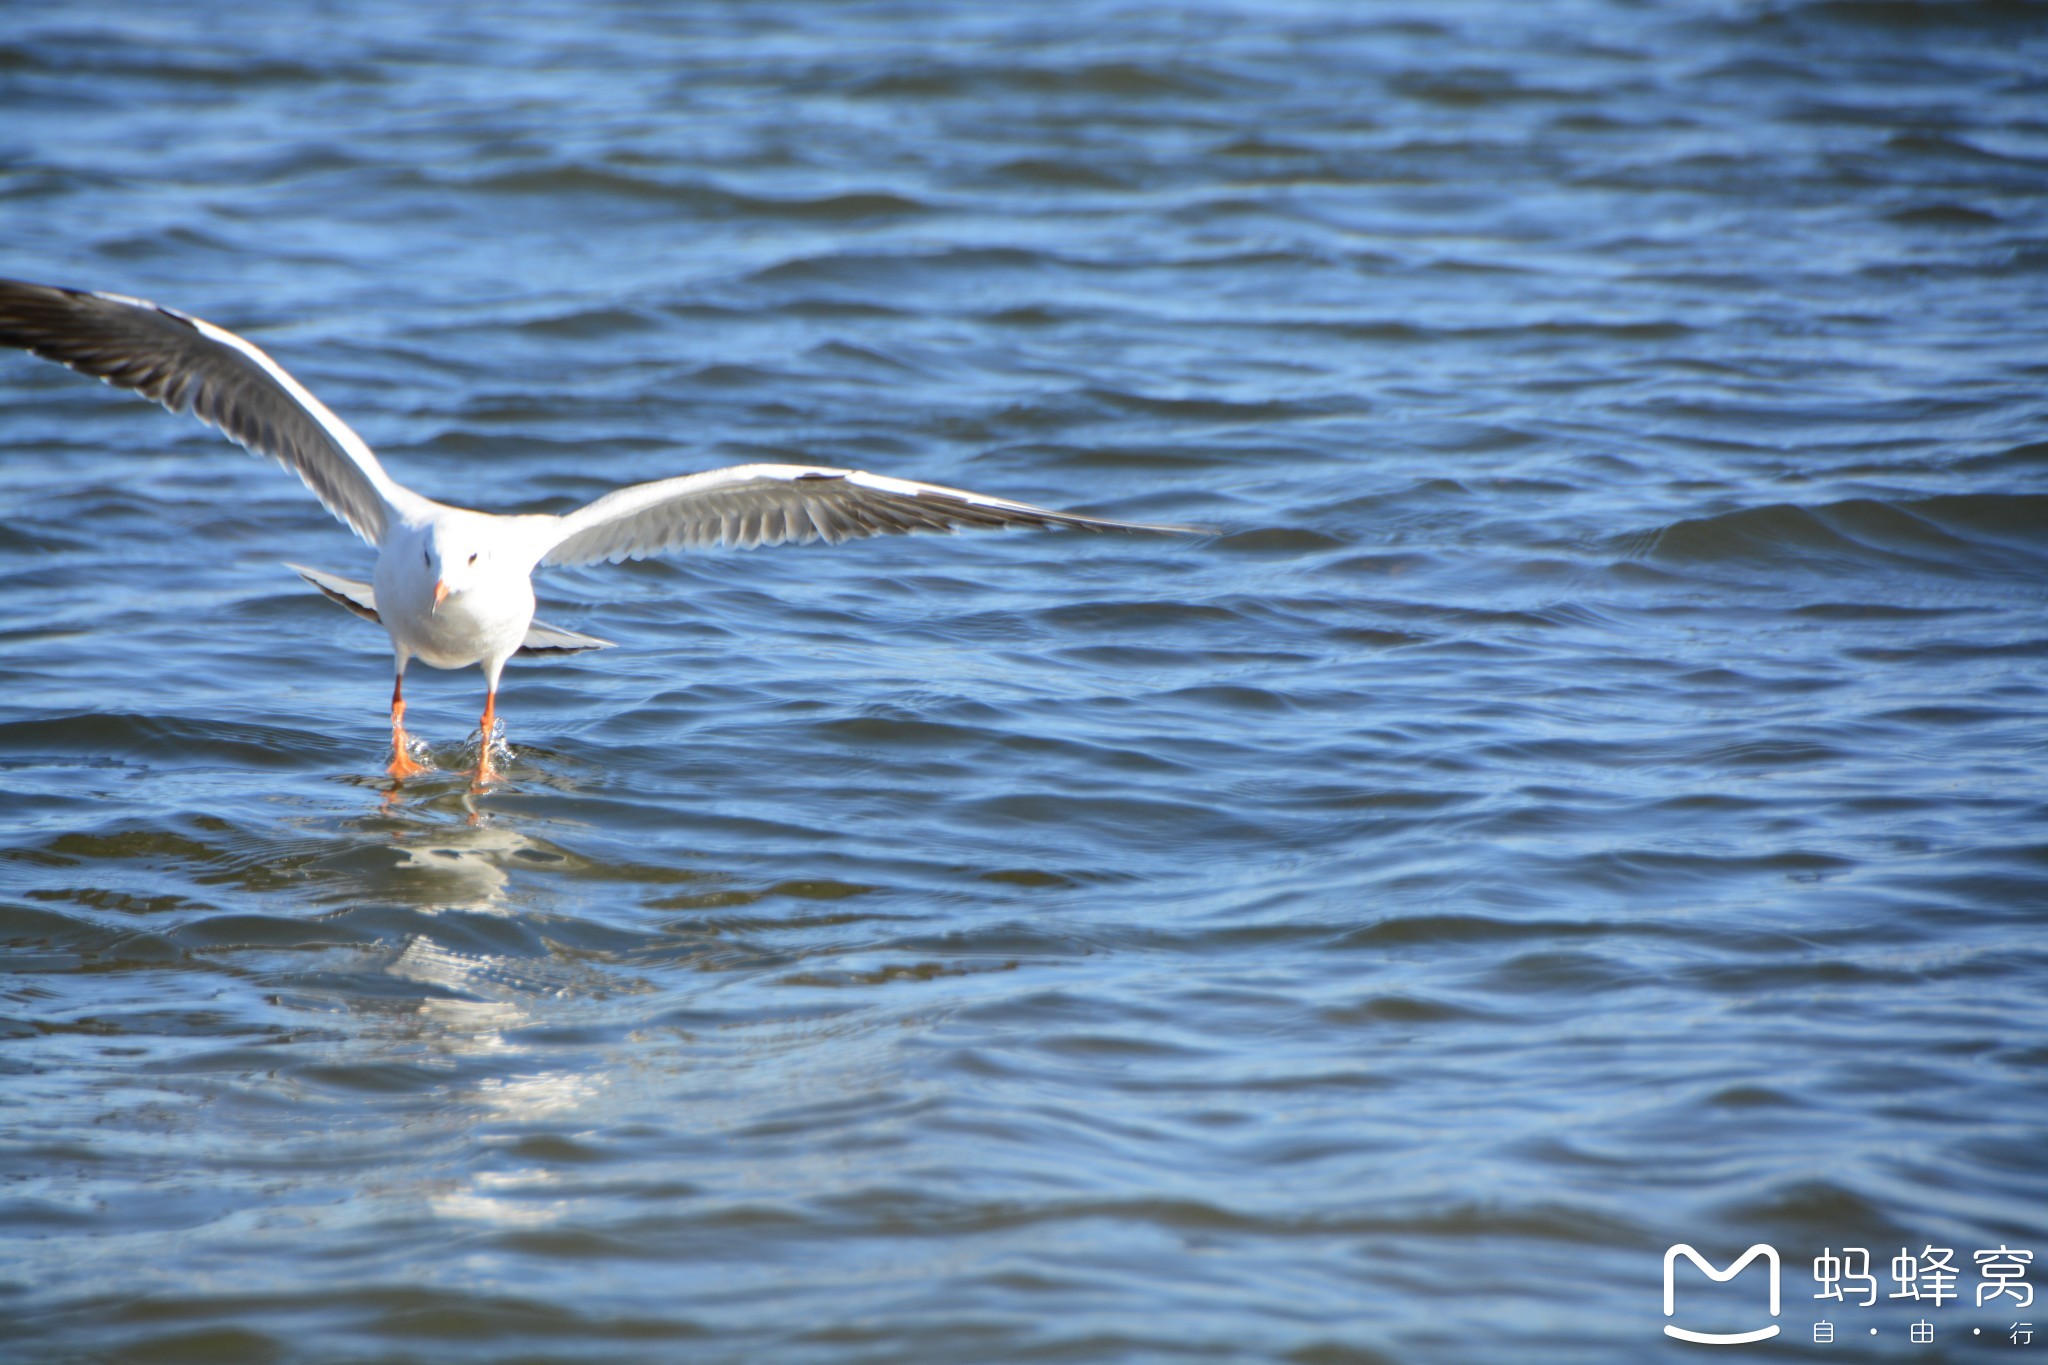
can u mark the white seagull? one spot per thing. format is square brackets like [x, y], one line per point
[453, 587]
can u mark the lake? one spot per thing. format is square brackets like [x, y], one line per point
[1588, 796]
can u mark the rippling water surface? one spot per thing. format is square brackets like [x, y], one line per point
[1588, 796]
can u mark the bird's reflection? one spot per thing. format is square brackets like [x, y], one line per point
[473, 992]
[464, 867]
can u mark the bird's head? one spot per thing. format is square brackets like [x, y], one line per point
[457, 559]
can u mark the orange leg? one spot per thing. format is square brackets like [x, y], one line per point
[402, 764]
[485, 773]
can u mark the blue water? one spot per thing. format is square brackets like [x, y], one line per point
[1588, 796]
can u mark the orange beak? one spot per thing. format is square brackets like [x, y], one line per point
[440, 592]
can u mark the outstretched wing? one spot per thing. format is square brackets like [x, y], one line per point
[768, 504]
[189, 365]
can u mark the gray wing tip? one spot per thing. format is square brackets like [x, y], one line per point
[542, 638]
[346, 593]
[64, 295]
[1076, 521]
[530, 651]
[1152, 528]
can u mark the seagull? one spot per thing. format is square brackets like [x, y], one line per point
[454, 587]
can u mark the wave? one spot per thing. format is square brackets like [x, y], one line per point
[1965, 534]
[577, 180]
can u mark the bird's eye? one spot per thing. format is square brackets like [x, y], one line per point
[472, 559]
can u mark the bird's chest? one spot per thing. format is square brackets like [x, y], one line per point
[475, 625]
[484, 621]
